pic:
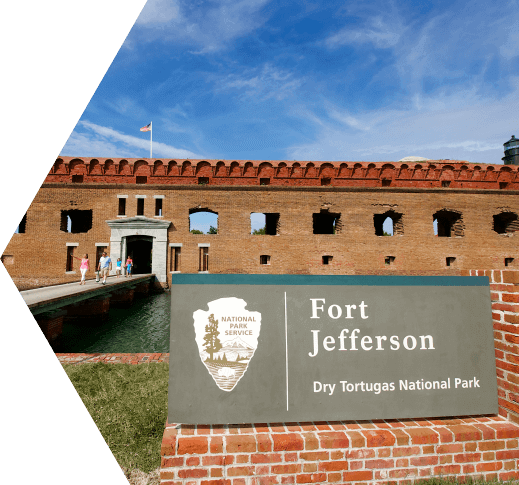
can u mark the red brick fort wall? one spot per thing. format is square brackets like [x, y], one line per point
[354, 192]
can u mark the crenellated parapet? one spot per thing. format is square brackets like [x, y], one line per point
[422, 174]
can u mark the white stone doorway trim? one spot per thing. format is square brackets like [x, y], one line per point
[141, 226]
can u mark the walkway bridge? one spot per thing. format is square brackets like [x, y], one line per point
[52, 305]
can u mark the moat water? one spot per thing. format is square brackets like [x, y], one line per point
[143, 327]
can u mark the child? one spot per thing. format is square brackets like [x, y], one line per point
[118, 267]
[129, 263]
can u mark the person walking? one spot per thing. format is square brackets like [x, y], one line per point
[85, 266]
[105, 265]
[118, 267]
[129, 264]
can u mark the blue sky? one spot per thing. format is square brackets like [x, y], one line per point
[308, 80]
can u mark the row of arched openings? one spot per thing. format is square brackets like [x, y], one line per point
[387, 171]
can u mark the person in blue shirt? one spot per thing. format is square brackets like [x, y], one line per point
[105, 265]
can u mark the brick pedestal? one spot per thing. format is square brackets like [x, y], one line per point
[368, 451]
[396, 451]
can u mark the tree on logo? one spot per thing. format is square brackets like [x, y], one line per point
[212, 343]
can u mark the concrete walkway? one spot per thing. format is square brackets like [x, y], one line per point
[50, 298]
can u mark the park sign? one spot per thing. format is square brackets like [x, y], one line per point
[292, 348]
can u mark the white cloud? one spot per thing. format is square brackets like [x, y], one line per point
[455, 96]
[159, 12]
[379, 33]
[345, 118]
[101, 141]
[91, 145]
[459, 126]
[229, 20]
[261, 84]
[209, 29]
[125, 104]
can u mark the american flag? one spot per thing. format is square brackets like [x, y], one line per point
[146, 128]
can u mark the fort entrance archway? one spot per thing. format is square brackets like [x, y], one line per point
[140, 249]
[143, 238]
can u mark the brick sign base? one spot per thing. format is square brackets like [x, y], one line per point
[368, 451]
[394, 451]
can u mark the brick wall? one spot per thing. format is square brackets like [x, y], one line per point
[395, 451]
[504, 287]
[375, 451]
[39, 255]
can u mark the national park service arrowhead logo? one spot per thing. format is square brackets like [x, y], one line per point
[227, 337]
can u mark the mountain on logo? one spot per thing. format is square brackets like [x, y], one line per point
[235, 344]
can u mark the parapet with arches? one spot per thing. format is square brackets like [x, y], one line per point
[451, 174]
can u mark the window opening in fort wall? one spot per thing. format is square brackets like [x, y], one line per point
[70, 258]
[140, 205]
[22, 226]
[122, 206]
[389, 260]
[158, 207]
[390, 223]
[449, 223]
[326, 222]
[174, 259]
[203, 259]
[450, 261]
[265, 259]
[269, 222]
[203, 221]
[506, 222]
[76, 221]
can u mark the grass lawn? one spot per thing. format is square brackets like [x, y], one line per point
[129, 405]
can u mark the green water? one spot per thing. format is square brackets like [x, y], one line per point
[143, 327]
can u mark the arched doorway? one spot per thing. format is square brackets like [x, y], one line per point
[139, 248]
[150, 232]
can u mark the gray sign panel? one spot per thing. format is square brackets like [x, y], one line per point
[278, 348]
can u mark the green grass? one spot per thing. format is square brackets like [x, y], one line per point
[129, 405]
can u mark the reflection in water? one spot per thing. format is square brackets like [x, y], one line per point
[144, 327]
